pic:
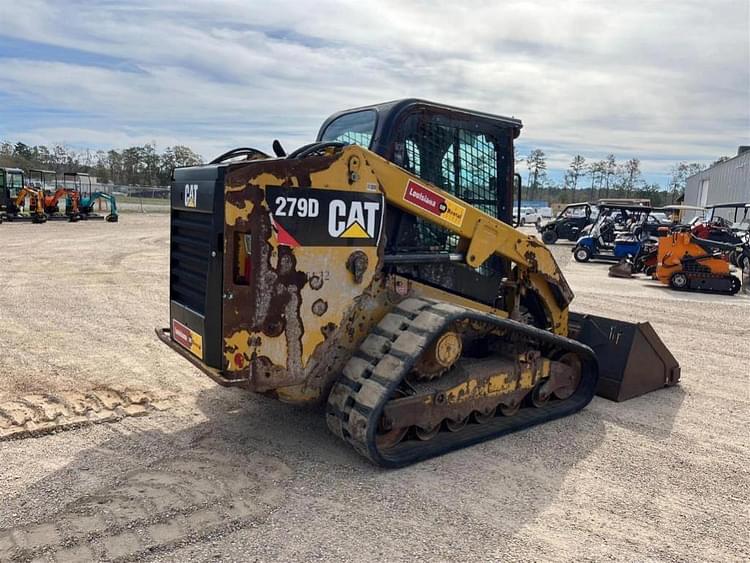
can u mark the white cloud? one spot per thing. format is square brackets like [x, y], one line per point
[661, 80]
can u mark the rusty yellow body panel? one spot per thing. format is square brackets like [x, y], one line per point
[297, 301]
[498, 384]
[293, 322]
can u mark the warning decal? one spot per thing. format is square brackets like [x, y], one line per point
[424, 198]
[187, 338]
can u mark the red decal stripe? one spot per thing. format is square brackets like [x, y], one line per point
[181, 334]
[424, 198]
[284, 237]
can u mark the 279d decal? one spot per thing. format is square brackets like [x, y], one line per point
[321, 217]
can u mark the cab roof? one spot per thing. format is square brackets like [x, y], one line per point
[396, 106]
[389, 112]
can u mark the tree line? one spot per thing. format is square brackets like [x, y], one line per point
[144, 166]
[607, 178]
[137, 165]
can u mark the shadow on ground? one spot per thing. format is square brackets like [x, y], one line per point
[157, 484]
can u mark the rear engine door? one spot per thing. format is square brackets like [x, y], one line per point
[195, 260]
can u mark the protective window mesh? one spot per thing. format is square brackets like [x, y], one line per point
[412, 161]
[355, 138]
[462, 162]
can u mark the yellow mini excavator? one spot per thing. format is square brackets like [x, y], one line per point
[376, 270]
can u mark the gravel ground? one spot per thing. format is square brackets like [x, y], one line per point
[224, 475]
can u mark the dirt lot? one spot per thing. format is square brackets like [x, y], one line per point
[215, 474]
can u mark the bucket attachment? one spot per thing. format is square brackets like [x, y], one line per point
[623, 269]
[632, 358]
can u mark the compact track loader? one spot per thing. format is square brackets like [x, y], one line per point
[688, 262]
[376, 270]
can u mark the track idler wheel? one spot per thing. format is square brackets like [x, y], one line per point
[574, 363]
[390, 438]
[539, 396]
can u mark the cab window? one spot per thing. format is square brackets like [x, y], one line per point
[355, 128]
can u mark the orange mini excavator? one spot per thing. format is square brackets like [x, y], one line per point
[71, 196]
[688, 262]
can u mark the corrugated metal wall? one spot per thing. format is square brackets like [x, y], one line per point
[728, 182]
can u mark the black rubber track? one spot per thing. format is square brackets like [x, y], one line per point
[373, 374]
[695, 279]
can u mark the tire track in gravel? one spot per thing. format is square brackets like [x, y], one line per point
[174, 502]
[34, 415]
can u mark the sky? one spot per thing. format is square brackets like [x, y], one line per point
[659, 80]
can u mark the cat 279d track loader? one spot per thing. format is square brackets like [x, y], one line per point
[376, 270]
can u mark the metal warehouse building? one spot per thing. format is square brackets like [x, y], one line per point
[725, 182]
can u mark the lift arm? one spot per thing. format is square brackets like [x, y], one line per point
[482, 235]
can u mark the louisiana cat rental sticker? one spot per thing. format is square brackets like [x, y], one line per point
[432, 202]
[319, 217]
[187, 338]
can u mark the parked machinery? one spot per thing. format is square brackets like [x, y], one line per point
[20, 201]
[66, 193]
[618, 232]
[688, 262]
[11, 182]
[383, 278]
[569, 222]
[89, 198]
[576, 219]
[730, 223]
[646, 259]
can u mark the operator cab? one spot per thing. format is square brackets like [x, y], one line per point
[79, 182]
[466, 153]
[43, 179]
[11, 182]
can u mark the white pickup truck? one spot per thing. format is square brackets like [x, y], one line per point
[532, 215]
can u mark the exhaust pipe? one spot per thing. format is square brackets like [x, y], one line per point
[632, 358]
